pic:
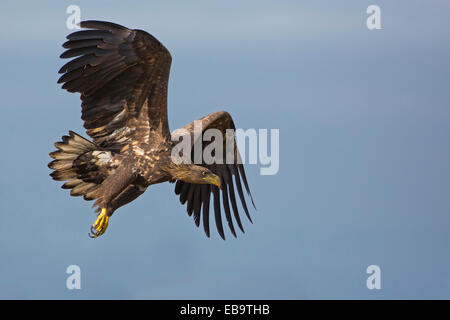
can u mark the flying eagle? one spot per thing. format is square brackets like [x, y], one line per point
[122, 76]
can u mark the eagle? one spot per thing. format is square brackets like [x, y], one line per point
[122, 76]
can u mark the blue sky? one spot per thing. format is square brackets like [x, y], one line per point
[364, 164]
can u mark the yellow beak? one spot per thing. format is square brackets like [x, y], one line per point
[213, 179]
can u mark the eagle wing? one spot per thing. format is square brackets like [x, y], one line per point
[122, 76]
[198, 196]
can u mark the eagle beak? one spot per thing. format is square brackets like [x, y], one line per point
[213, 179]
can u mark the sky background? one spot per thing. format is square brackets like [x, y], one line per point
[364, 173]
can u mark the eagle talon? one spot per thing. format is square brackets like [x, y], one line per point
[100, 225]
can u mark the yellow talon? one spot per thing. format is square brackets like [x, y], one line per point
[100, 225]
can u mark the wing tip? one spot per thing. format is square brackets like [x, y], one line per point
[101, 25]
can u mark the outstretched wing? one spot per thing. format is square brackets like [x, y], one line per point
[122, 76]
[198, 196]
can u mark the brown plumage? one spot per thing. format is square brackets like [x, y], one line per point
[122, 76]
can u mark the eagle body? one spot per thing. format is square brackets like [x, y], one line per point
[122, 76]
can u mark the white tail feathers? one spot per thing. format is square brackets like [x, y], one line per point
[69, 149]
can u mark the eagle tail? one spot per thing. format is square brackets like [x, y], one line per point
[80, 163]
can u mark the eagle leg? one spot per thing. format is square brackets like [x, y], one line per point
[100, 225]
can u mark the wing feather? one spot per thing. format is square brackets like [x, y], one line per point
[232, 197]
[237, 180]
[226, 205]
[119, 72]
[227, 195]
[217, 214]
[197, 204]
[206, 196]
